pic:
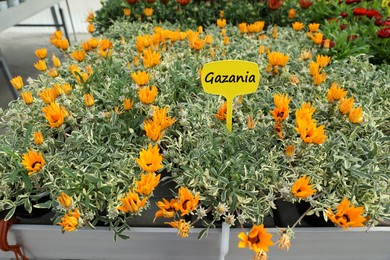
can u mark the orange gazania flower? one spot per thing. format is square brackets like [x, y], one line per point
[93, 42]
[276, 60]
[90, 17]
[319, 78]
[127, 104]
[63, 44]
[322, 60]
[305, 54]
[54, 114]
[226, 40]
[187, 202]
[313, 27]
[221, 23]
[297, 26]
[64, 200]
[150, 160]
[140, 78]
[70, 221]
[151, 58]
[131, 203]
[336, 92]
[38, 138]
[291, 13]
[89, 100]
[79, 55]
[314, 68]
[208, 39]
[275, 32]
[41, 53]
[182, 226]
[166, 209]
[27, 97]
[305, 112]
[290, 150]
[250, 123]
[309, 132]
[66, 87]
[257, 240]
[301, 188]
[147, 95]
[346, 104]
[242, 27]
[356, 115]
[153, 130]
[17, 82]
[105, 44]
[40, 65]
[281, 111]
[221, 115]
[347, 215]
[317, 38]
[48, 95]
[90, 28]
[147, 183]
[52, 72]
[58, 34]
[160, 116]
[126, 11]
[33, 161]
[148, 12]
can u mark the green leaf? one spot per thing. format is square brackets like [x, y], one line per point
[203, 233]
[373, 152]
[28, 136]
[45, 205]
[10, 214]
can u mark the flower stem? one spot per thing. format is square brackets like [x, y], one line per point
[301, 217]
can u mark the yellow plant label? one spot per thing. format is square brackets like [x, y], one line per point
[230, 78]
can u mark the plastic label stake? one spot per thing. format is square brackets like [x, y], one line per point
[230, 78]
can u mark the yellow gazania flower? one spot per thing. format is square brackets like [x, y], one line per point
[127, 104]
[221, 23]
[147, 95]
[313, 27]
[150, 160]
[242, 27]
[275, 32]
[356, 115]
[17, 82]
[64, 200]
[58, 34]
[257, 240]
[63, 44]
[78, 55]
[90, 17]
[52, 72]
[126, 11]
[317, 38]
[250, 124]
[41, 53]
[105, 44]
[54, 114]
[221, 115]
[27, 97]
[319, 78]
[93, 42]
[147, 183]
[89, 100]
[297, 26]
[281, 111]
[290, 150]
[305, 54]
[33, 161]
[160, 116]
[66, 87]
[347, 215]
[70, 221]
[90, 28]
[131, 203]
[48, 95]
[186, 202]
[151, 58]
[148, 12]
[322, 60]
[140, 78]
[153, 130]
[208, 39]
[56, 61]
[346, 104]
[336, 92]
[314, 68]
[226, 40]
[40, 65]
[182, 226]
[166, 209]
[38, 138]
[291, 13]
[301, 188]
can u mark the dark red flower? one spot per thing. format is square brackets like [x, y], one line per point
[348, 2]
[150, 1]
[384, 33]
[373, 13]
[164, 1]
[275, 4]
[331, 43]
[183, 2]
[131, 2]
[344, 14]
[343, 27]
[352, 37]
[359, 11]
[305, 4]
[379, 22]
